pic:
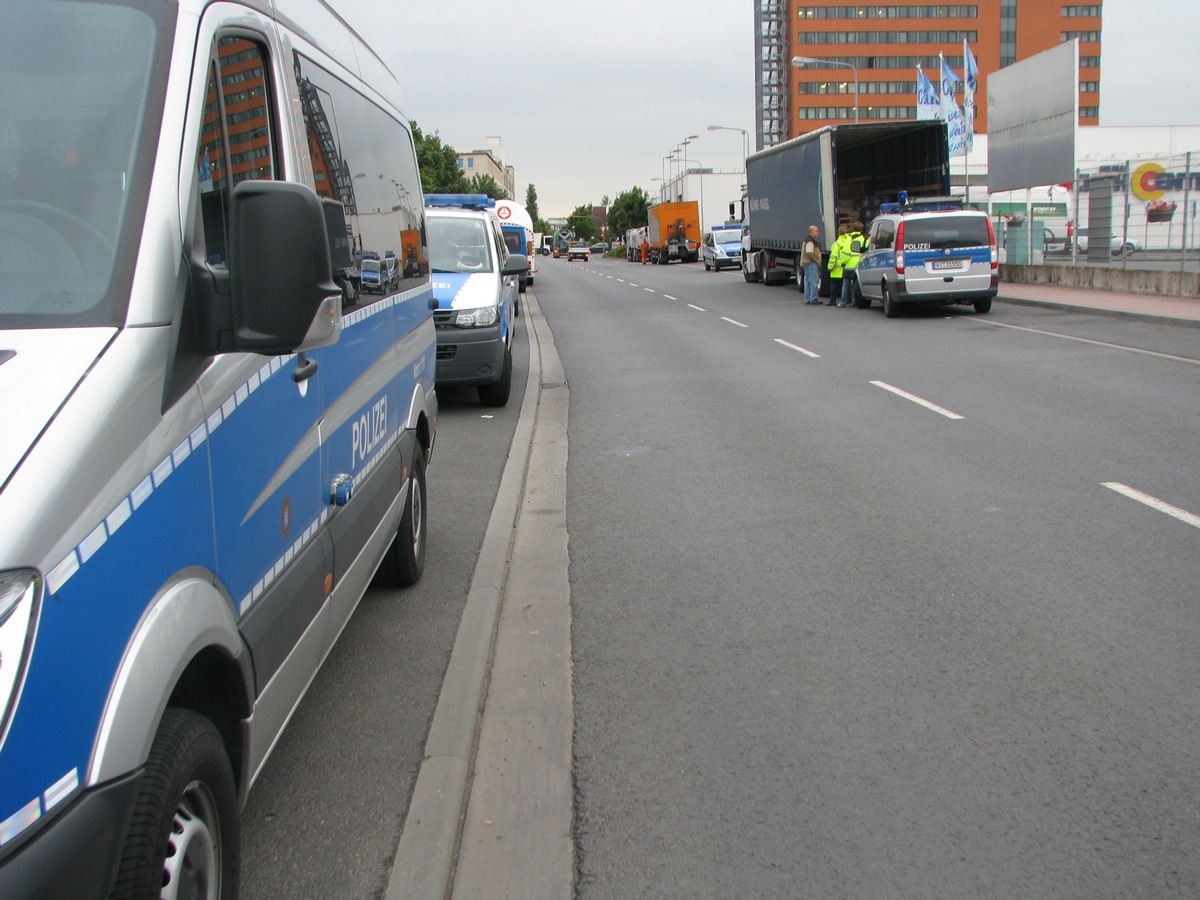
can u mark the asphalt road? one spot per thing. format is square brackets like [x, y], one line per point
[325, 817]
[854, 612]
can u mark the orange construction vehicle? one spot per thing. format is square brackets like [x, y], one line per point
[674, 231]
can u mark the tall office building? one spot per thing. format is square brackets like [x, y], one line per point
[881, 46]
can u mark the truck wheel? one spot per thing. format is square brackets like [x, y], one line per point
[889, 305]
[749, 276]
[982, 306]
[404, 561]
[497, 394]
[183, 838]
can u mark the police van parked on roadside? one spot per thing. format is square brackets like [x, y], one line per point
[475, 284]
[929, 251]
[211, 444]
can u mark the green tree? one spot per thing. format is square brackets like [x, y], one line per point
[628, 211]
[581, 222]
[438, 162]
[486, 184]
[531, 206]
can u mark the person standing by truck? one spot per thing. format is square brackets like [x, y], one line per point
[853, 245]
[644, 246]
[810, 260]
[835, 267]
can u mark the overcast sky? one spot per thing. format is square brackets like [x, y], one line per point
[589, 97]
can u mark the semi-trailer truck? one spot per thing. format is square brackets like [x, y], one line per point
[833, 176]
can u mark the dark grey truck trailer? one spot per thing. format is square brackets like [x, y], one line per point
[833, 176]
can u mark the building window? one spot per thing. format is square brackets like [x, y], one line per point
[1080, 12]
[1089, 87]
[888, 12]
[1082, 35]
[1089, 112]
[888, 37]
[1089, 62]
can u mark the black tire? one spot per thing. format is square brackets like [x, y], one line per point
[890, 309]
[861, 300]
[496, 394]
[751, 277]
[404, 561]
[183, 838]
[982, 306]
[707, 267]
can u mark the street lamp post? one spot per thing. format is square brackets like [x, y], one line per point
[745, 140]
[825, 63]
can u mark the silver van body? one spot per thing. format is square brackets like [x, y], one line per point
[939, 256]
[212, 443]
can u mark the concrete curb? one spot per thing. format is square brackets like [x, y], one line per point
[427, 853]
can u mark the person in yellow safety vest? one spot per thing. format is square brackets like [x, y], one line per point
[835, 267]
[853, 247]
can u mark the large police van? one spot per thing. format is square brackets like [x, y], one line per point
[934, 250]
[211, 444]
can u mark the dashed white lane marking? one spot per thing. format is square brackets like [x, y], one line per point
[941, 411]
[650, 290]
[697, 308]
[734, 322]
[669, 297]
[1154, 503]
[798, 348]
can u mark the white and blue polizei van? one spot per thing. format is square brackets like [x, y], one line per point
[211, 444]
[475, 284]
[931, 251]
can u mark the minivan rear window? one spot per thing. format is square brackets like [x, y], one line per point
[945, 232]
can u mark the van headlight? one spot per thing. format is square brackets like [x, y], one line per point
[477, 318]
[20, 592]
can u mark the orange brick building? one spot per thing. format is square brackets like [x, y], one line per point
[885, 43]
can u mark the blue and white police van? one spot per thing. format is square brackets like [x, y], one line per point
[211, 445]
[933, 251]
[722, 247]
[475, 278]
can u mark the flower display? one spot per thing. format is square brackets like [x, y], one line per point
[1161, 206]
[1014, 220]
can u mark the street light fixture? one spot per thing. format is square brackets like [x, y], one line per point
[799, 61]
[745, 140]
[687, 140]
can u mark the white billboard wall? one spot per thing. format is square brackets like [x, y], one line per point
[1033, 114]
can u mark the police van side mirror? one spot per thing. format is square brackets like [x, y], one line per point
[282, 294]
[517, 264]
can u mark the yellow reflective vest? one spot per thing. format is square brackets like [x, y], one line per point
[835, 256]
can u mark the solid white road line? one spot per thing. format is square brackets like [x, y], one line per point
[1154, 503]
[1105, 344]
[797, 348]
[941, 411]
[734, 322]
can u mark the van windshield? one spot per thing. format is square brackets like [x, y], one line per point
[728, 236]
[74, 82]
[458, 244]
[945, 232]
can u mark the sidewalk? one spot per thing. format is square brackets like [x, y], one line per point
[1145, 307]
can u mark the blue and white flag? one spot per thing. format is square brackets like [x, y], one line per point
[205, 175]
[971, 86]
[956, 126]
[927, 98]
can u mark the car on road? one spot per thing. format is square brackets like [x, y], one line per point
[579, 250]
[600, 247]
[722, 247]
[934, 254]
[1058, 242]
[475, 279]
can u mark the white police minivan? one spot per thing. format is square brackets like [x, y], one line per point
[211, 442]
[475, 278]
[929, 251]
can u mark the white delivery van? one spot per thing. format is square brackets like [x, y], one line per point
[211, 443]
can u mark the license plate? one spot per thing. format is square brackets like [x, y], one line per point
[947, 264]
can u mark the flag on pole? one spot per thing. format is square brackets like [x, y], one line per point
[971, 86]
[956, 127]
[927, 98]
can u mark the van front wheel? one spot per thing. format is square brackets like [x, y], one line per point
[183, 838]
